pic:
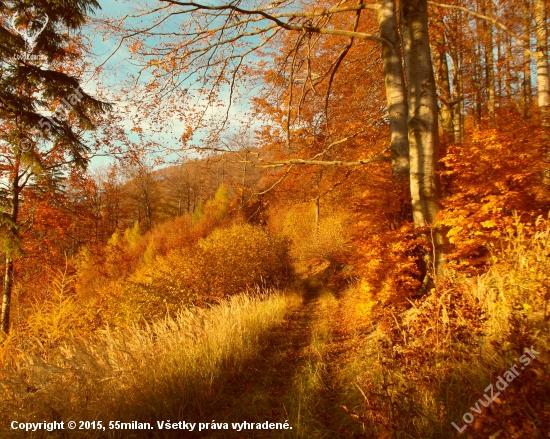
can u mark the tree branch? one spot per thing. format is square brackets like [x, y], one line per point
[278, 164]
[293, 27]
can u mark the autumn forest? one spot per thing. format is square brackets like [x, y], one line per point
[290, 218]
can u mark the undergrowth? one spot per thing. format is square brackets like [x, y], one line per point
[169, 369]
[419, 371]
[367, 370]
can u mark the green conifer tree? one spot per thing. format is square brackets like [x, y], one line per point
[43, 110]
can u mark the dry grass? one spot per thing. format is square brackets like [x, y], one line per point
[310, 382]
[421, 370]
[169, 369]
[394, 375]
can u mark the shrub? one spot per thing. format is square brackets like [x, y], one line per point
[497, 171]
[242, 256]
[313, 240]
[462, 336]
[228, 261]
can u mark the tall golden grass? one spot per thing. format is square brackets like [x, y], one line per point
[166, 370]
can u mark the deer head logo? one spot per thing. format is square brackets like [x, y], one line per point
[30, 38]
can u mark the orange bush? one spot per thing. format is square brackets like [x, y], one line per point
[389, 252]
[497, 171]
[227, 262]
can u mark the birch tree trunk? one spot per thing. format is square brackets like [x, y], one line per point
[543, 80]
[527, 92]
[396, 92]
[458, 98]
[423, 122]
[489, 61]
[443, 82]
[456, 65]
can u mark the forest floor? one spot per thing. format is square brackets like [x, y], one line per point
[294, 376]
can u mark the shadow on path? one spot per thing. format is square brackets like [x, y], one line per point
[260, 391]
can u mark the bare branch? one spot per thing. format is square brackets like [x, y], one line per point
[278, 164]
[337, 142]
[264, 11]
[277, 182]
[286, 24]
[339, 60]
[335, 185]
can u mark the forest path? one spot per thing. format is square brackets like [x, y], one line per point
[289, 379]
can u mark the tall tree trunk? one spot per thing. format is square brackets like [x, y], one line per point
[457, 90]
[458, 98]
[543, 80]
[6, 298]
[527, 91]
[500, 79]
[512, 76]
[243, 182]
[489, 61]
[317, 214]
[443, 83]
[396, 92]
[423, 121]
[12, 217]
[478, 85]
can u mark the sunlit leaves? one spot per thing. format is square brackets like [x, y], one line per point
[228, 261]
[496, 172]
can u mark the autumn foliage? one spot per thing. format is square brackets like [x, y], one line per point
[229, 260]
[462, 337]
[495, 173]
[390, 297]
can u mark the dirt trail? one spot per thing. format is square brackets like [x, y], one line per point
[288, 380]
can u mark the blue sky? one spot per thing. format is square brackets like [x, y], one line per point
[121, 67]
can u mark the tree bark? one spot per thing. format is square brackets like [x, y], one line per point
[527, 91]
[443, 82]
[12, 217]
[458, 98]
[489, 62]
[422, 121]
[243, 183]
[6, 299]
[396, 92]
[317, 214]
[543, 80]
[457, 90]
[478, 84]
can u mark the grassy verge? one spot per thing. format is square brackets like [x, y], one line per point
[170, 369]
